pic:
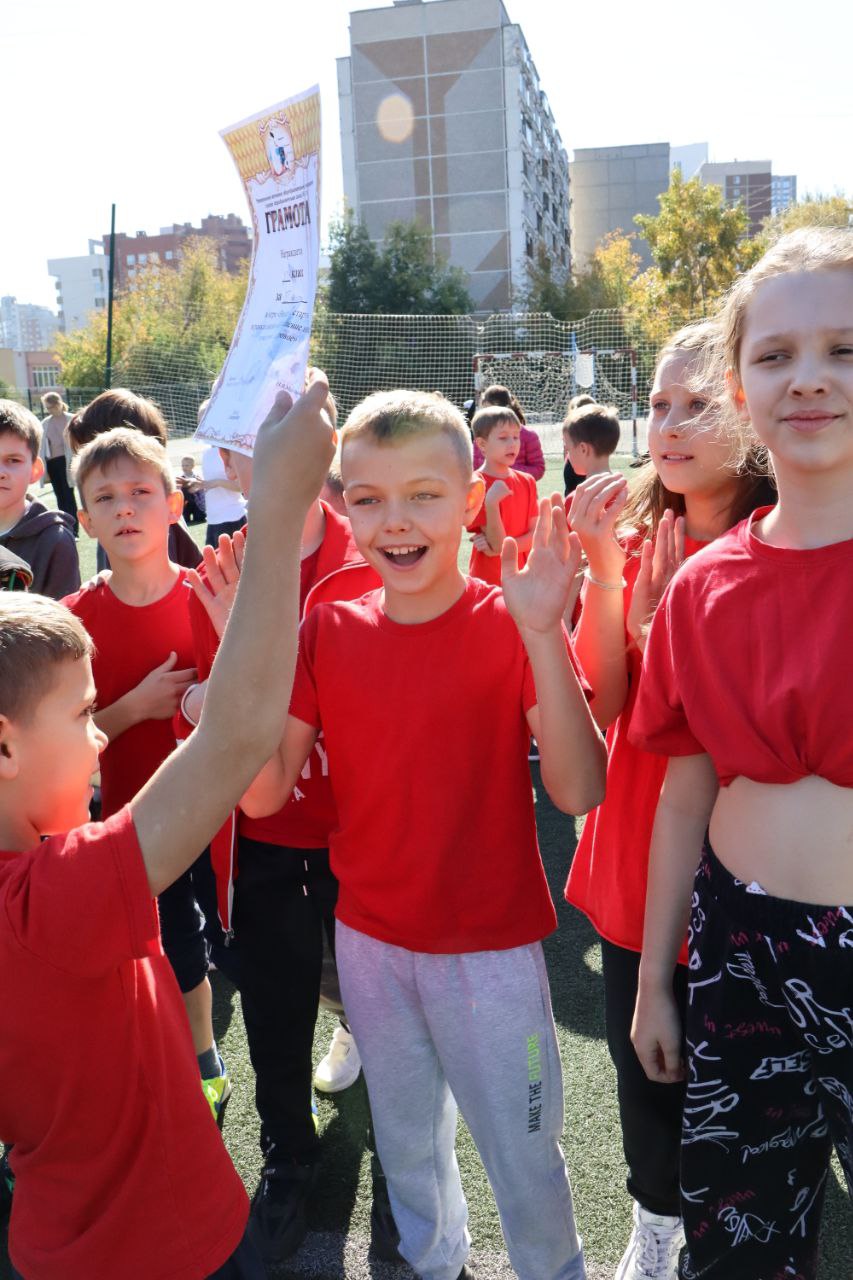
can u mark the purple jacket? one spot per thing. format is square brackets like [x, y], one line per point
[530, 457]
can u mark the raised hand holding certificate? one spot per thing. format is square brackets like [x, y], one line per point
[277, 154]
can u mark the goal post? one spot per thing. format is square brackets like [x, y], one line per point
[545, 381]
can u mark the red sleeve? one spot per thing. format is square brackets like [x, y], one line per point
[659, 722]
[303, 700]
[81, 902]
[533, 500]
[531, 459]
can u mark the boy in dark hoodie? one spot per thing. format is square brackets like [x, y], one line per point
[42, 538]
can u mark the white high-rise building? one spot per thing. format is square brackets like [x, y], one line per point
[81, 286]
[26, 327]
[443, 121]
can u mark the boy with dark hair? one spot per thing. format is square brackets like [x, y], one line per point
[42, 538]
[443, 900]
[590, 436]
[137, 614]
[511, 502]
[120, 1169]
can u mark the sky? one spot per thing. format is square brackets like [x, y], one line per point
[108, 102]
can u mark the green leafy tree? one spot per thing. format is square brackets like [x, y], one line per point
[698, 246]
[400, 277]
[171, 325]
[603, 285]
[813, 211]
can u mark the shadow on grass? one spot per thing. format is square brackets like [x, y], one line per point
[577, 991]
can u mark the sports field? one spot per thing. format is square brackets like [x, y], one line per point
[337, 1245]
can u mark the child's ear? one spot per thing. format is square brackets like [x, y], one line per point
[476, 494]
[85, 520]
[8, 752]
[175, 503]
[38, 470]
[736, 392]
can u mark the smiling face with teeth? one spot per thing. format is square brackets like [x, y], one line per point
[690, 452]
[408, 500]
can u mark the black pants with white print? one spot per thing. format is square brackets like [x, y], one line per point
[770, 1077]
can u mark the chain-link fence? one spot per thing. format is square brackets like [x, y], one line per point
[543, 361]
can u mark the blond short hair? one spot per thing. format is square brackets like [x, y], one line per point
[36, 634]
[122, 442]
[389, 417]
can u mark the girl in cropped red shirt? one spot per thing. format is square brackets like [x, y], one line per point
[748, 689]
[686, 495]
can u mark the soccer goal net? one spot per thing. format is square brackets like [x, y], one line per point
[545, 381]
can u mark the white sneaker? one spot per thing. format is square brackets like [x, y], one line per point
[341, 1065]
[653, 1249]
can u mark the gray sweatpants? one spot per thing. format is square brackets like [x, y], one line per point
[477, 1030]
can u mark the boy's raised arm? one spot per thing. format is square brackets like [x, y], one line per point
[192, 793]
[571, 749]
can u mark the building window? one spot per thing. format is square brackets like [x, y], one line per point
[131, 275]
[528, 245]
[131, 260]
[143, 258]
[169, 255]
[43, 375]
[539, 222]
[100, 302]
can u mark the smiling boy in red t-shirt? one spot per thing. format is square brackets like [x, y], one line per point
[443, 900]
[120, 1170]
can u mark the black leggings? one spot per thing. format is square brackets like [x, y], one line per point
[650, 1113]
[57, 471]
[770, 1077]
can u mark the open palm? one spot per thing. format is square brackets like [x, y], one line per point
[536, 595]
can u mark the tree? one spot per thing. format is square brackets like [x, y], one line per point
[171, 325]
[698, 246]
[400, 277]
[813, 211]
[603, 285]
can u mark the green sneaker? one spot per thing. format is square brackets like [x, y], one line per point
[217, 1091]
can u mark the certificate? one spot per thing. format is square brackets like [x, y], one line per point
[277, 153]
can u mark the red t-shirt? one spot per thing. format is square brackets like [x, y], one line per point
[517, 510]
[130, 641]
[121, 1171]
[749, 659]
[427, 740]
[306, 819]
[609, 871]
